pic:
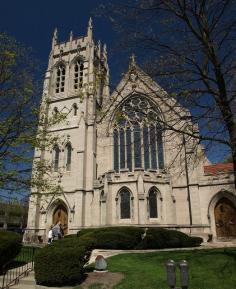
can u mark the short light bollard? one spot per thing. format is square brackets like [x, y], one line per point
[183, 265]
[170, 268]
[171, 274]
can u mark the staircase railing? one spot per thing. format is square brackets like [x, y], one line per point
[16, 269]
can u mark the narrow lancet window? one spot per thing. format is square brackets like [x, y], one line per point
[153, 204]
[129, 148]
[125, 204]
[160, 148]
[137, 146]
[116, 150]
[68, 156]
[138, 135]
[146, 148]
[122, 149]
[56, 156]
[153, 147]
[75, 109]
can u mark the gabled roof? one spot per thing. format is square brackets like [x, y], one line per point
[136, 81]
[220, 168]
[132, 75]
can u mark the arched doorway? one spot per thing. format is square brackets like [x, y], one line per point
[225, 218]
[61, 214]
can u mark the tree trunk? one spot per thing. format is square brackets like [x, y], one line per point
[234, 160]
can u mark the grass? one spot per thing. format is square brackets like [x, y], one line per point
[208, 269]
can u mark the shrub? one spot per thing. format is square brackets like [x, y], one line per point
[111, 238]
[158, 238]
[60, 263]
[196, 241]
[10, 246]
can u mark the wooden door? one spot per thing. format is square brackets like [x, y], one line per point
[60, 214]
[225, 218]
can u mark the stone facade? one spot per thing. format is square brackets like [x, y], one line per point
[105, 183]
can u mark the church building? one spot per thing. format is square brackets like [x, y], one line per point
[120, 159]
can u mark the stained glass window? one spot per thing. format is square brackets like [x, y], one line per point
[68, 156]
[122, 148]
[129, 148]
[153, 204]
[116, 150]
[137, 147]
[146, 148]
[56, 155]
[125, 204]
[138, 135]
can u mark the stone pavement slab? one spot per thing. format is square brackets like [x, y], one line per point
[108, 253]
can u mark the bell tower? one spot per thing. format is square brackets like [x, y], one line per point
[76, 83]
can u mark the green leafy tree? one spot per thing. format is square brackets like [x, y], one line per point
[21, 129]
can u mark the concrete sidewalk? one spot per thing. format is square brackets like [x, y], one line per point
[110, 253]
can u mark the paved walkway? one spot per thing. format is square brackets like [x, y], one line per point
[109, 253]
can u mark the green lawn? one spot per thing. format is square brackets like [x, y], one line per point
[209, 269]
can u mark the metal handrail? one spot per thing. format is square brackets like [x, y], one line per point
[12, 276]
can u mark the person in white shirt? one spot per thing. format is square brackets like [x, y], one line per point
[50, 238]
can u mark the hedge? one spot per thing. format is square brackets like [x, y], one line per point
[10, 246]
[60, 264]
[158, 238]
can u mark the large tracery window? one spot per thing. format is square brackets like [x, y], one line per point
[138, 136]
[60, 78]
[78, 74]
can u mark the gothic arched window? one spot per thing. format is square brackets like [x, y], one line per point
[75, 109]
[152, 203]
[137, 135]
[60, 78]
[56, 156]
[125, 202]
[78, 74]
[55, 111]
[68, 156]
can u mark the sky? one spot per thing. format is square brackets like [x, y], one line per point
[33, 23]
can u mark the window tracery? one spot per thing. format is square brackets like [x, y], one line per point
[138, 136]
[60, 78]
[78, 74]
